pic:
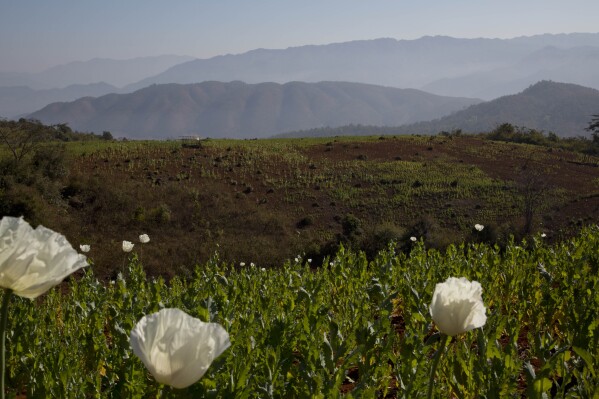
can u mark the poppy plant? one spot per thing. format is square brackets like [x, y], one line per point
[34, 260]
[31, 262]
[128, 246]
[176, 348]
[457, 307]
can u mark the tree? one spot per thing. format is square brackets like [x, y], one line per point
[22, 137]
[594, 127]
[532, 186]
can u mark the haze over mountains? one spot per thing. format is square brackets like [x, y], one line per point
[16, 101]
[428, 63]
[464, 68]
[23, 93]
[113, 72]
[237, 109]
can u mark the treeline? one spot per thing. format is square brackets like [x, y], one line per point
[38, 131]
[505, 132]
[347, 130]
[509, 133]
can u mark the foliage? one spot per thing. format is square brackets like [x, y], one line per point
[513, 134]
[22, 137]
[594, 128]
[352, 328]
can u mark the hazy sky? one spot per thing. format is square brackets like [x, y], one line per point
[37, 34]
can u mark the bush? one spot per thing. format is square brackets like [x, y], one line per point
[351, 225]
[162, 214]
[50, 161]
[380, 237]
[305, 222]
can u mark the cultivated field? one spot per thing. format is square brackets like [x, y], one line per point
[266, 201]
[319, 257]
[351, 328]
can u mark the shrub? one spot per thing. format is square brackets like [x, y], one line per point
[162, 214]
[380, 237]
[305, 222]
[50, 161]
[351, 225]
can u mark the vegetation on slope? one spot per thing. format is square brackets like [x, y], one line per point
[264, 201]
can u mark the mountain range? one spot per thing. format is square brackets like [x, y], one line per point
[241, 110]
[475, 68]
[479, 68]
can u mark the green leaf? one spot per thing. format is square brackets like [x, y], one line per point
[587, 357]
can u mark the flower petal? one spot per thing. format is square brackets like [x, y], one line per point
[457, 306]
[176, 348]
[33, 261]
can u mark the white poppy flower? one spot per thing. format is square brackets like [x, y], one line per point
[144, 238]
[543, 235]
[479, 227]
[85, 247]
[241, 264]
[413, 239]
[33, 261]
[128, 246]
[457, 306]
[176, 348]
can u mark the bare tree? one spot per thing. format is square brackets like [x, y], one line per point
[533, 187]
[21, 137]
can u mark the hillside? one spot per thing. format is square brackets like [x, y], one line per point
[265, 201]
[236, 109]
[565, 109]
[440, 64]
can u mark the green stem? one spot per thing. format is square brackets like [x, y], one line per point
[5, 301]
[444, 340]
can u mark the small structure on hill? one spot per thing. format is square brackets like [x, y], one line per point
[190, 141]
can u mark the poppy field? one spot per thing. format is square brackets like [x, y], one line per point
[352, 328]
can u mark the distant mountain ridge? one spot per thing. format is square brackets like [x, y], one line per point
[241, 110]
[471, 68]
[114, 72]
[20, 100]
[429, 63]
[578, 65]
